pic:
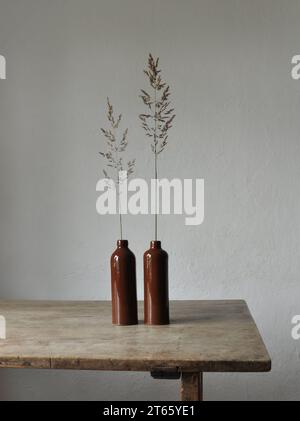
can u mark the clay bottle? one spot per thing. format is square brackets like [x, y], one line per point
[123, 285]
[156, 288]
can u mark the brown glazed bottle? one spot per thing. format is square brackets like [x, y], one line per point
[156, 285]
[123, 285]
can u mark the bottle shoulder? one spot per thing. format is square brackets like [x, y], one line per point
[122, 252]
[155, 252]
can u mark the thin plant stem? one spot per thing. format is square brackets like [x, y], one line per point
[120, 217]
[119, 195]
[155, 167]
[119, 209]
[155, 215]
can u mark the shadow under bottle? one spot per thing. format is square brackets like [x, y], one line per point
[156, 285]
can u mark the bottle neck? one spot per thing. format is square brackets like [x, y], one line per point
[122, 243]
[155, 244]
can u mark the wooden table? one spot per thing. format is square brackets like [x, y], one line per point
[204, 336]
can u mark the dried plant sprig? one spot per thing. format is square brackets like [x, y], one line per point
[160, 116]
[116, 145]
[157, 121]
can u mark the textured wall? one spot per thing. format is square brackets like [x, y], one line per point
[228, 63]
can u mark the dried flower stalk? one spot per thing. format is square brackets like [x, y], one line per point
[116, 145]
[159, 116]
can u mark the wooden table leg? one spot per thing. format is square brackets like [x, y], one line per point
[192, 386]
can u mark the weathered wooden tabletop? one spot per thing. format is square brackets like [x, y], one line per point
[203, 336]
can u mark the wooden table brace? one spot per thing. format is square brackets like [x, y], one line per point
[191, 382]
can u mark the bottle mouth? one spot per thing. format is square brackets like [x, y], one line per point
[122, 243]
[155, 244]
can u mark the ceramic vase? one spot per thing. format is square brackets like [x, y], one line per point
[123, 285]
[156, 285]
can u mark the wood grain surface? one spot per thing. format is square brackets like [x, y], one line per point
[204, 336]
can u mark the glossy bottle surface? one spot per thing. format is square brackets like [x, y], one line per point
[123, 285]
[156, 285]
